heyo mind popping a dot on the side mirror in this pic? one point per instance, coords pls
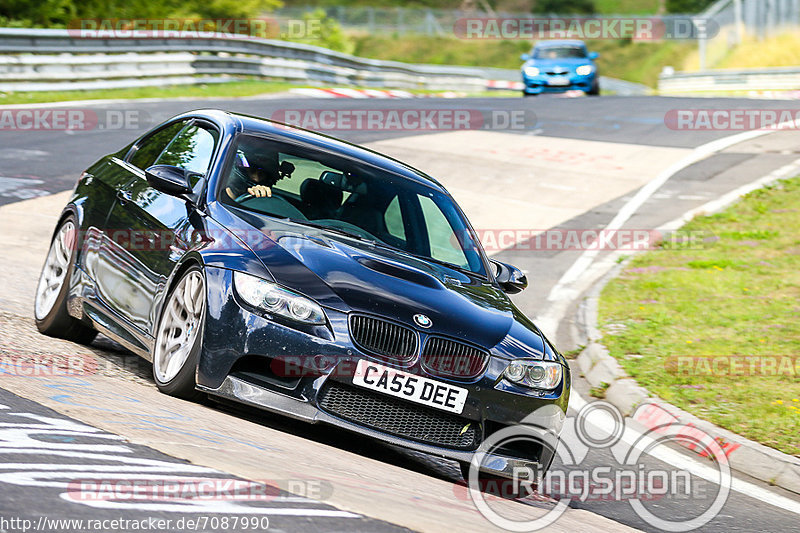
(510, 278)
(593, 55)
(168, 179)
(524, 57)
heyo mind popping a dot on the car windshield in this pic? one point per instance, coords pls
(559, 52)
(331, 192)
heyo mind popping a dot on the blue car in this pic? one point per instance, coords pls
(560, 66)
(289, 271)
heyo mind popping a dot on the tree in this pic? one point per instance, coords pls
(564, 7)
(687, 6)
(60, 13)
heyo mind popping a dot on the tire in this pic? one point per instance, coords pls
(527, 95)
(595, 90)
(178, 338)
(50, 300)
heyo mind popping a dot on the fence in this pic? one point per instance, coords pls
(739, 18)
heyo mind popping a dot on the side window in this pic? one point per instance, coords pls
(191, 149)
(442, 238)
(393, 217)
(151, 147)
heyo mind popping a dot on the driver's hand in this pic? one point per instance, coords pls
(260, 191)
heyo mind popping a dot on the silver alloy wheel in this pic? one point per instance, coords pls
(55, 270)
(179, 327)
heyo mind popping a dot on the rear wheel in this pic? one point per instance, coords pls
(179, 336)
(50, 303)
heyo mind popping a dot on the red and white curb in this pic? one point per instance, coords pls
(344, 92)
(505, 85)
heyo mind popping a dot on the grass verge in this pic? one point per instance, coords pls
(675, 319)
(210, 90)
(637, 62)
(231, 89)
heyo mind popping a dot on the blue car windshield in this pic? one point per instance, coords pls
(559, 52)
(328, 191)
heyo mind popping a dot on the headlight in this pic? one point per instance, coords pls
(584, 70)
(531, 71)
(534, 374)
(270, 297)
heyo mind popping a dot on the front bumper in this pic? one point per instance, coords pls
(558, 84)
(241, 348)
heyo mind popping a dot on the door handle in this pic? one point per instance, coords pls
(124, 196)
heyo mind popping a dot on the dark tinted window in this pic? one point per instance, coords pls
(559, 52)
(191, 149)
(151, 147)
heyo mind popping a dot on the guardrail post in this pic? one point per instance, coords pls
(737, 13)
(702, 44)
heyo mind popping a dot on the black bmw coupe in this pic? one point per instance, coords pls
(307, 276)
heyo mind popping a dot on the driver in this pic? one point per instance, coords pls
(256, 174)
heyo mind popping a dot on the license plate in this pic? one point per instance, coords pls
(558, 81)
(413, 388)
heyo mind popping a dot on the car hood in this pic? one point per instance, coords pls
(351, 275)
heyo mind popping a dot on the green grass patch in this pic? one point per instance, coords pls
(233, 89)
(739, 295)
(622, 59)
(210, 90)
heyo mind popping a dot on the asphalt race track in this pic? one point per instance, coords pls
(572, 164)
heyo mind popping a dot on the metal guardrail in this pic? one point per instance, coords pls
(728, 81)
(56, 58)
(46, 59)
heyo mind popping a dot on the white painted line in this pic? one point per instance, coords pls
(725, 200)
(685, 462)
(566, 290)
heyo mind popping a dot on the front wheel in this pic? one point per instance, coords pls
(595, 90)
(50, 303)
(179, 336)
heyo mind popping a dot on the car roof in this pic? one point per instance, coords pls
(560, 42)
(256, 125)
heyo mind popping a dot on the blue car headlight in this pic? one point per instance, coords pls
(272, 298)
(531, 71)
(584, 70)
(534, 374)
